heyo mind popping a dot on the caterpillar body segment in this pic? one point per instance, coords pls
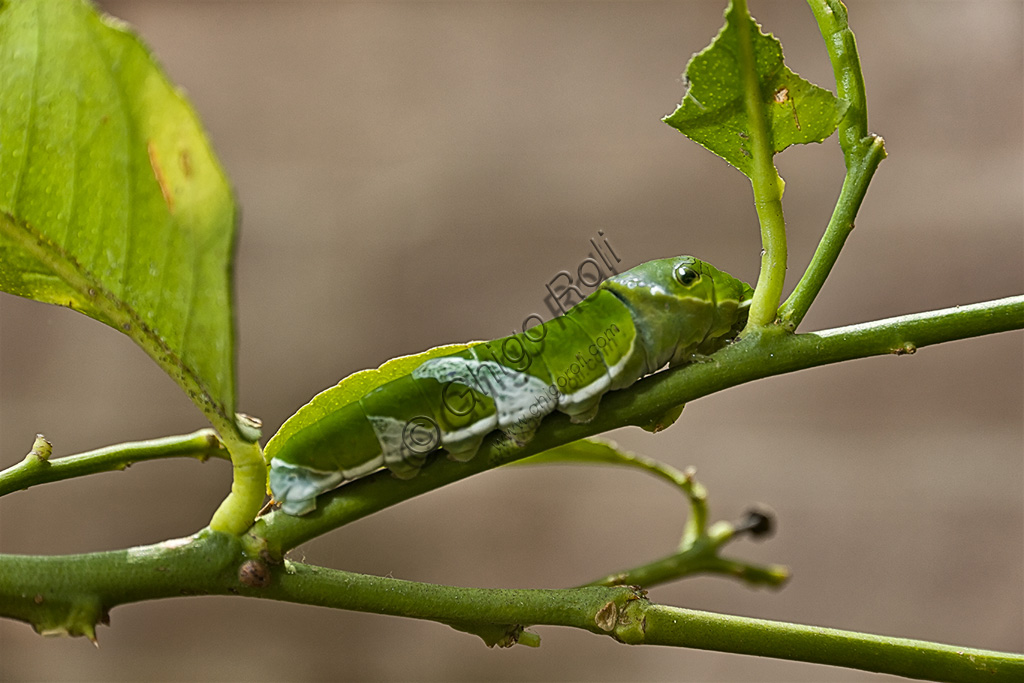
(661, 312)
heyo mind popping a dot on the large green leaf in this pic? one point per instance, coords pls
(712, 112)
(111, 200)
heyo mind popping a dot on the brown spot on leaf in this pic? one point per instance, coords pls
(185, 159)
(782, 97)
(154, 162)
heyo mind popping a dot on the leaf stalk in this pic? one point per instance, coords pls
(764, 179)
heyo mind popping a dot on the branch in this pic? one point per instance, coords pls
(773, 351)
(861, 151)
(71, 594)
(764, 179)
(648, 624)
(239, 510)
(37, 468)
(699, 555)
(38, 590)
(699, 549)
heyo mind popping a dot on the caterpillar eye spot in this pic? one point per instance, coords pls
(686, 276)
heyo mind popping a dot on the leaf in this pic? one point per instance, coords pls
(712, 112)
(111, 200)
(351, 389)
(595, 451)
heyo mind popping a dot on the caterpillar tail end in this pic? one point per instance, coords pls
(295, 488)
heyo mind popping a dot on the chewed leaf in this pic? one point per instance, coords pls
(712, 111)
(351, 389)
(111, 200)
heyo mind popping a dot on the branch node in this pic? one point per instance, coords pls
(254, 574)
(905, 349)
(41, 450)
(607, 617)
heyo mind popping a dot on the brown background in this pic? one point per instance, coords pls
(412, 174)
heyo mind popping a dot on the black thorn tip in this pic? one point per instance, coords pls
(756, 523)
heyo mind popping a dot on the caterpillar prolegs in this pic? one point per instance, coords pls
(660, 312)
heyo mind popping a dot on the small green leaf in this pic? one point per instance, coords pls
(111, 200)
(351, 389)
(595, 451)
(712, 112)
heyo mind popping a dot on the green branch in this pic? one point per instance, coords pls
(238, 510)
(700, 556)
(764, 179)
(37, 467)
(39, 590)
(234, 515)
(842, 52)
(700, 546)
(861, 151)
(760, 637)
(71, 594)
(772, 353)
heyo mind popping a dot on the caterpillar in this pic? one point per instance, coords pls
(667, 311)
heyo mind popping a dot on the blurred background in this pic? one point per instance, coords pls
(412, 174)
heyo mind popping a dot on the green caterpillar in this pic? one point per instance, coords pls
(664, 311)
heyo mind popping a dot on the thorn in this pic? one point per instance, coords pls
(529, 639)
(89, 631)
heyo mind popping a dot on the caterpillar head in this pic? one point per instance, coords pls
(681, 306)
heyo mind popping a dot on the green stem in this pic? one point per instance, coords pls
(773, 353)
(34, 470)
(834, 25)
(862, 153)
(238, 511)
(764, 179)
(742, 635)
(696, 559)
(71, 594)
(855, 186)
(698, 551)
